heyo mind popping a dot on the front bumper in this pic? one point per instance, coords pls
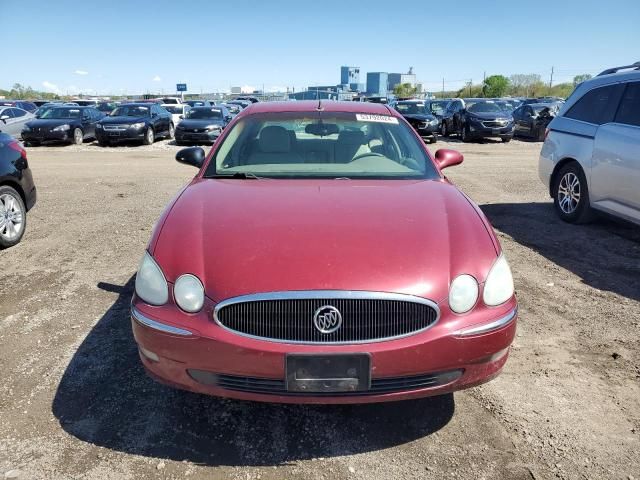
(41, 136)
(200, 356)
(480, 131)
(427, 130)
(103, 135)
(197, 136)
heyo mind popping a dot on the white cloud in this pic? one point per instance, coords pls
(52, 87)
(157, 78)
(276, 88)
(81, 72)
(247, 89)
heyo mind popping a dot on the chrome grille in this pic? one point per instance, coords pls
(289, 316)
(115, 127)
(495, 123)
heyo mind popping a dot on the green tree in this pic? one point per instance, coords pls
(404, 90)
(580, 78)
(495, 86)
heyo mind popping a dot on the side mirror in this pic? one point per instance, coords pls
(181, 117)
(228, 118)
(193, 156)
(4, 118)
(448, 158)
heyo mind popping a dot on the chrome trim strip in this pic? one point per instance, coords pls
(322, 294)
(161, 327)
(488, 327)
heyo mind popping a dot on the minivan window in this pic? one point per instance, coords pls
(629, 111)
(597, 106)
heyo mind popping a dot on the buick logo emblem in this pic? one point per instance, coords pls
(327, 319)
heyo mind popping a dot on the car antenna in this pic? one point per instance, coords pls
(319, 107)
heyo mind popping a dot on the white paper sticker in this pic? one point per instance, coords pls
(366, 117)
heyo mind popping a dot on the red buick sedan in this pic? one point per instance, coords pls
(321, 256)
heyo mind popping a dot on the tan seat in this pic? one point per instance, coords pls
(350, 144)
(274, 146)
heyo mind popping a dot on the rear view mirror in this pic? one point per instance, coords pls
(193, 156)
(448, 158)
(321, 129)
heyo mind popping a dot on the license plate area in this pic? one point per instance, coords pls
(495, 131)
(336, 373)
(114, 134)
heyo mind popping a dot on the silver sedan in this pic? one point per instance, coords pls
(12, 120)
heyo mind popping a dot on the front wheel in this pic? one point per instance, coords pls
(443, 129)
(433, 139)
(464, 134)
(506, 139)
(571, 195)
(149, 137)
(78, 136)
(13, 217)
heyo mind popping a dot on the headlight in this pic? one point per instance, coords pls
(151, 285)
(179, 127)
(213, 127)
(62, 128)
(189, 293)
(137, 125)
(498, 288)
(26, 128)
(474, 119)
(98, 126)
(463, 293)
(434, 121)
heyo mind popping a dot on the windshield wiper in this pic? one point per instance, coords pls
(243, 175)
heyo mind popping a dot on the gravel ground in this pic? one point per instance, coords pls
(76, 404)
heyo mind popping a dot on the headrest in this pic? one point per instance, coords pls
(274, 139)
(351, 137)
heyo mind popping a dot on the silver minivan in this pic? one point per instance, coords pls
(590, 159)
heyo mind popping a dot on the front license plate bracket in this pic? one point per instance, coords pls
(335, 373)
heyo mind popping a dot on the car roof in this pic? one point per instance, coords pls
(138, 104)
(326, 105)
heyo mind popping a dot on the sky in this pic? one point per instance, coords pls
(138, 46)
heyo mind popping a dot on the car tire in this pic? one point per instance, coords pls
(571, 195)
(540, 135)
(464, 134)
(149, 137)
(31, 144)
(78, 136)
(172, 131)
(506, 139)
(443, 129)
(433, 139)
(12, 227)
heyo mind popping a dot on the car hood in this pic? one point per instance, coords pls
(249, 236)
(52, 122)
(122, 119)
(423, 117)
(199, 123)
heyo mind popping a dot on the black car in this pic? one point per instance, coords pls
(437, 107)
(420, 118)
(202, 125)
(531, 120)
(135, 121)
(481, 118)
(62, 124)
(199, 103)
(248, 98)
(107, 107)
(23, 104)
(17, 191)
(242, 103)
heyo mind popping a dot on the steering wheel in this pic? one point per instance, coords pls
(367, 154)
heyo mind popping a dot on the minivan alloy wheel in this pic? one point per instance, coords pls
(11, 217)
(569, 192)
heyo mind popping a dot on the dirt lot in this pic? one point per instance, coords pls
(76, 404)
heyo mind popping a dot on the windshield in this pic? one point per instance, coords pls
(174, 108)
(484, 107)
(438, 108)
(62, 113)
(131, 111)
(319, 145)
(410, 108)
(204, 113)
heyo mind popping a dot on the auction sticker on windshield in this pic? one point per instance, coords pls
(366, 117)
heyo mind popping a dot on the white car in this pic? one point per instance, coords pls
(590, 159)
(13, 119)
(178, 112)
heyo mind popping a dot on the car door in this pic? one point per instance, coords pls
(517, 119)
(8, 122)
(616, 158)
(20, 117)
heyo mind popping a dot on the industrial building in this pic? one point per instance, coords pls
(377, 83)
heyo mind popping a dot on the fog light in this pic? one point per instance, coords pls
(149, 354)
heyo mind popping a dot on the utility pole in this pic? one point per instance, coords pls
(442, 87)
(470, 83)
(551, 80)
